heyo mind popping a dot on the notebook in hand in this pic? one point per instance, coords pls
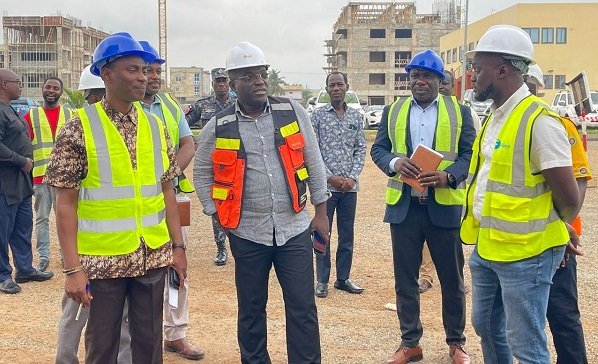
(428, 159)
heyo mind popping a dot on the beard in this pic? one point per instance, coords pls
(485, 93)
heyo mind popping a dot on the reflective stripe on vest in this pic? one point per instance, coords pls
(43, 140)
(446, 141)
(229, 160)
(518, 219)
(119, 206)
(172, 115)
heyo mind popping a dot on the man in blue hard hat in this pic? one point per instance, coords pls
(433, 215)
(117, 218)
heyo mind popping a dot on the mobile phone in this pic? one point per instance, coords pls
(173, 278)
(318, 243)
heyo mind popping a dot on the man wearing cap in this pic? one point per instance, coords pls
(163, 105)
(200, 112)
(252, 169)
(117, 218)
(520, 195)
(437, 122)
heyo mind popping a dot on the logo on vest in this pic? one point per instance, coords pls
(500, 144)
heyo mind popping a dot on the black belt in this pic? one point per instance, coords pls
(421, 200)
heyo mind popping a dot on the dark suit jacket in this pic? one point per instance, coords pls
(441, 216)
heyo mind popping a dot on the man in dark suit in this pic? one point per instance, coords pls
(434, 215)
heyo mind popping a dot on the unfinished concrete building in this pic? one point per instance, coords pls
(373, 42)
(37, 47)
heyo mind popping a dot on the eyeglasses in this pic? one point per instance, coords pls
(252, 77)
(18, 82)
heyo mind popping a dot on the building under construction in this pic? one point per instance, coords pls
(373, 42)
(37, 47)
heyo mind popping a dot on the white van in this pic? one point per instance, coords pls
(350, 98)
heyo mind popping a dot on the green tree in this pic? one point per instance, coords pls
(74, 99)
(275, 82)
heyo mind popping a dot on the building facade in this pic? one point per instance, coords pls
(294, 92)
(373, 42)
(37, 47)
(188, 84)
(562, 34)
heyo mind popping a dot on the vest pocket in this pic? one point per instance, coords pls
(296, 144)
(224, 165)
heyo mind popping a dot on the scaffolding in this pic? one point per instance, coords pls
(38, 47)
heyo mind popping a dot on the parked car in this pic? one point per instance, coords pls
(372, 117)
(563, 103)
(323, 98)
(23, 104)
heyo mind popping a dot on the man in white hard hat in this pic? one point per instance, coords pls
(252, 169)
(563, 309)
(519, 196)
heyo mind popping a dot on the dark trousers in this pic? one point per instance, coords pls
(345, 205)
(146, 296)
(16, 226)
(293, 263)
(563, 316)
(447, 254)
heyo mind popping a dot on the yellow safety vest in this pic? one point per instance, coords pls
(172, 114)
(120, 207)
(43, 140)
(518, 219)
(448, 132)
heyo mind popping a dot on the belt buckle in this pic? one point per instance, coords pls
(423, 200)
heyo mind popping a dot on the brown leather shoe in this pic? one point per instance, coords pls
(184, 349)
(458, 354)
(405, 355)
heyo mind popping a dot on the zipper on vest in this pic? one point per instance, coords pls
(144, 253)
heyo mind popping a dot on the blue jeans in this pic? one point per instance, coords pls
(509, 306)
(44, 197)
(16, 223)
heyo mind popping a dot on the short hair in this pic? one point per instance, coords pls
(337, 73)
(55, 79)
(449, 76)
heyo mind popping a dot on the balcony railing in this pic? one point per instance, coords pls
(402, 62)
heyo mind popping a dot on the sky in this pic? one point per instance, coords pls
(201, 32)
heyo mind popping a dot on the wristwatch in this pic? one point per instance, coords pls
(182, 245)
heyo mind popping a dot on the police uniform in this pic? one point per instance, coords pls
(205, 108)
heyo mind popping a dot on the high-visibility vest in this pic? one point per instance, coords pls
(518, 219)
(229, 159)
(446, 142)
(120, 207)
(172, 114)
(43, 140)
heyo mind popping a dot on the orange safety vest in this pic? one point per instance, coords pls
(230, 159)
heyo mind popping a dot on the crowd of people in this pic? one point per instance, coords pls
(511, 184)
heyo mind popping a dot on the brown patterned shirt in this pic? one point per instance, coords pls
(68, 167)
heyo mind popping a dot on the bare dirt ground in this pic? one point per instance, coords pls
(353, 328)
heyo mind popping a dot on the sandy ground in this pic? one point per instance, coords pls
(354, 328)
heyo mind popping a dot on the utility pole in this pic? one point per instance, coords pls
(162, 36)
(464, 60)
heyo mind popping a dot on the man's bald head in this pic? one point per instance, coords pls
(10, 85)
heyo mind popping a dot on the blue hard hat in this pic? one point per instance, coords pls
(115, 46)
(427, 60)
(148, 48)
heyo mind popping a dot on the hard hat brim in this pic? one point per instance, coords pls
(96, 67)
(435, 71)
(471, 55)
(248, 66)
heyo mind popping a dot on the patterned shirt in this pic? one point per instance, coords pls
(204, 109)
(341, 141)
(68, 167)
(267, 206)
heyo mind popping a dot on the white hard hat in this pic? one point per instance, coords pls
(507, 40)
(245, 55)
(89, 81)
(535, 75)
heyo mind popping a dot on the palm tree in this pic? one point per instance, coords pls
(275, 82)
(74, 99)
